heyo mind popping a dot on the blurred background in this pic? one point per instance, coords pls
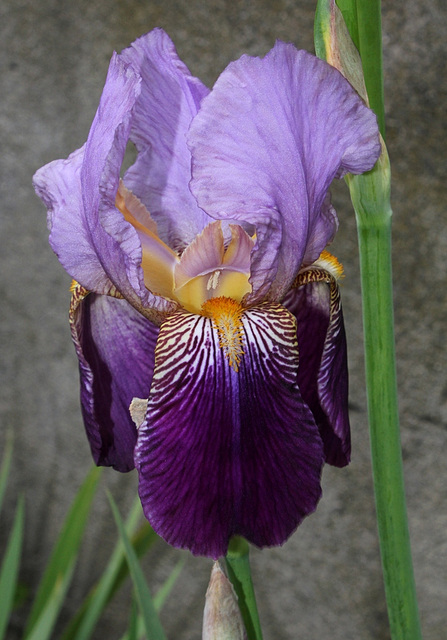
(325, 582)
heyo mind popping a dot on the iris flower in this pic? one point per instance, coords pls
(204, 295)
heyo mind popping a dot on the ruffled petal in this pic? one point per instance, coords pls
(116, 241)
(225, 452)
(115, 346)
(170, 98)
(58, 184)
(266, 144)
(323, 371)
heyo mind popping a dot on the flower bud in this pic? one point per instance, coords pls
(221, 618)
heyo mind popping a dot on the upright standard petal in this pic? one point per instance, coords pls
(115, 346)
(323, 371)
(266, 144)
(115, 240)
(170, 98)
(225, 452)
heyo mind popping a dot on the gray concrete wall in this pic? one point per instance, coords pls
(326, 581)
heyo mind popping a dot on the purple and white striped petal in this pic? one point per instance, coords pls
(170, 98)
(225, 452)
(323, 371)
(266, 144)
(115, 346)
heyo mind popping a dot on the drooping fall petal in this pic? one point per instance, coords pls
(115, 347)
(225, 452)
(323, 370)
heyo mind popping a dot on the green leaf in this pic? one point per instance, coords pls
(6, 465)
(349, 11)
(363, 21)
(334, 44)
(369, 26)
(132, 633)
(363, 18)
(44, 625)
(10, 567)
(238, 566)
(152, 626)
(160, 597)
(83, 624)
(65, 552)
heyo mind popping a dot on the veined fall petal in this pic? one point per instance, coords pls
(225, 452)
(115, 346)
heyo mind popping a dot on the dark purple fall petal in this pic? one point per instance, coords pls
(323, 370)
(225, 453)
(115, 347)
(266, 144)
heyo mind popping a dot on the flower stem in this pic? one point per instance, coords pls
(374, 234)
(365, 26)
(370, 195)
(238, 567)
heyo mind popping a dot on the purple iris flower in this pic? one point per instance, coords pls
(203, 293)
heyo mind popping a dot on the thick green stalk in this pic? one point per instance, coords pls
(238, 567)
(370, 194)
(374, 234)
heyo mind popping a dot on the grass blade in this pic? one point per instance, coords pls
(159, 599)
(43, 627)
(6, 465)
(10, 568)
(238, 566)
(66, 549)
(83, 624)
(132, 633)
(152, 626)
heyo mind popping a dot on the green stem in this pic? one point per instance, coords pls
(238, 567)
(374, 233)
(370, 195)
(363, 19)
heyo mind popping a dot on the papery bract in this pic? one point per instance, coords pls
(204, 289)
